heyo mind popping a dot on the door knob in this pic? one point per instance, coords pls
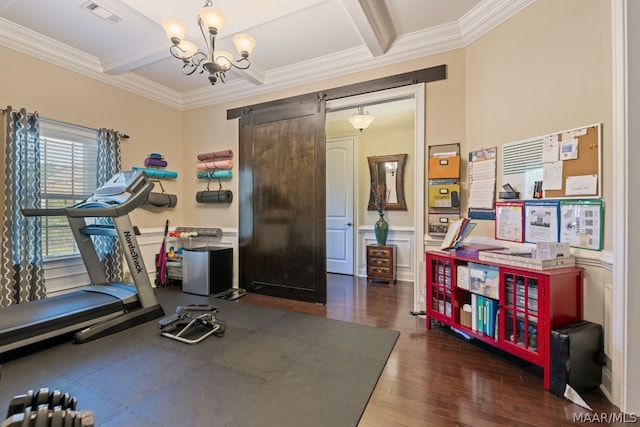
(349, 224)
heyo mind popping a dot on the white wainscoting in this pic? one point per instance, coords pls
(68, 274)
(402, 238)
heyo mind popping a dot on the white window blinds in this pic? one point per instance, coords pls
(68, 173)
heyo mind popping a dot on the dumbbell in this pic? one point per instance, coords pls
(43, 397)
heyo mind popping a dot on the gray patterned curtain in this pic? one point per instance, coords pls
(109, 163)
(21, 254)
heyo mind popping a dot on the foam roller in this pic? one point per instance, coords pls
(221, 196)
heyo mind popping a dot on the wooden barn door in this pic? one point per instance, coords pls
(282, 238)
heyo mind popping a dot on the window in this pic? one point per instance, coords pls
(68, 165)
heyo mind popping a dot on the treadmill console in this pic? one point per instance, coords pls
(115, 191)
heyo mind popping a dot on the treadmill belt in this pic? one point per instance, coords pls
(22, 321)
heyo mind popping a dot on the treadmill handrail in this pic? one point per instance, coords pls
(43, 212)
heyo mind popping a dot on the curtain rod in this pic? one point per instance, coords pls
(120, 134)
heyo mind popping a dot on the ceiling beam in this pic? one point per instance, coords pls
(136, 55)
(372, 20)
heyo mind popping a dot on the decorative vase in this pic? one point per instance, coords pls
(381, 230)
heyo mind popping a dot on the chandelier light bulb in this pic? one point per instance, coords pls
(174, 28)
(187, 49)
(244, 43)
(223, 58)
(212, 19)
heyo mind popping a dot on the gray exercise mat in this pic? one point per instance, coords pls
(270, 368)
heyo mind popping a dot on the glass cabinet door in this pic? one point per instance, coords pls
(521, 311)
(441, 286)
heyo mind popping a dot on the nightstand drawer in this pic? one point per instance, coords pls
(378, 270)
(380, 262)
(381, 252)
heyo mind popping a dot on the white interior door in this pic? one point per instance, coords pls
(340, 185)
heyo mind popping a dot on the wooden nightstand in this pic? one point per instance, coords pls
(381, 263)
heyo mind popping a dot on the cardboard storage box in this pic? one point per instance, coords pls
(462, 277)
(465, 318)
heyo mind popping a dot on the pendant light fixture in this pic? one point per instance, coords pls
(361, 120)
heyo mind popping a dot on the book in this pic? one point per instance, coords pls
(525, 260)
(457, 232)
(472, 251)
(474, 312)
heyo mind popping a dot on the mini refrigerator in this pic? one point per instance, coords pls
(207, 270)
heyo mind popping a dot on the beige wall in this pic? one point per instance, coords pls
(207, 130)
(59, 94)
(545, 70)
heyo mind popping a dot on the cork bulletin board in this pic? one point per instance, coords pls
(581, 176)
(559, 165)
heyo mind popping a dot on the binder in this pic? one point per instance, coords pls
(480, 318)
(474, 312)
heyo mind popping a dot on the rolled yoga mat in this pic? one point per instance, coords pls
(162, 200)
(221, 196)
(155, 162)
(156, 173)
(221, 174)
(218, 164)
(216, 155)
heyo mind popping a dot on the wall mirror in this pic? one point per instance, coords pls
(389, 172)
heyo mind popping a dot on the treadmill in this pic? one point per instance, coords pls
(102, 308)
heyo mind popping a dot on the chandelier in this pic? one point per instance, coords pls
(214, 62)
(361, 120)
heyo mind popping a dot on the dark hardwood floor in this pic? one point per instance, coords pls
(435, 378)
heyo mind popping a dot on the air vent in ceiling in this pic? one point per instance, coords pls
(101, 12)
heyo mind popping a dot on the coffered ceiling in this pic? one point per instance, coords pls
(122, 43)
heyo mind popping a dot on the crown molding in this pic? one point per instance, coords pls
(47, 49)
(416, 45)
(480, 20)
(34, 44)
(487, 15)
